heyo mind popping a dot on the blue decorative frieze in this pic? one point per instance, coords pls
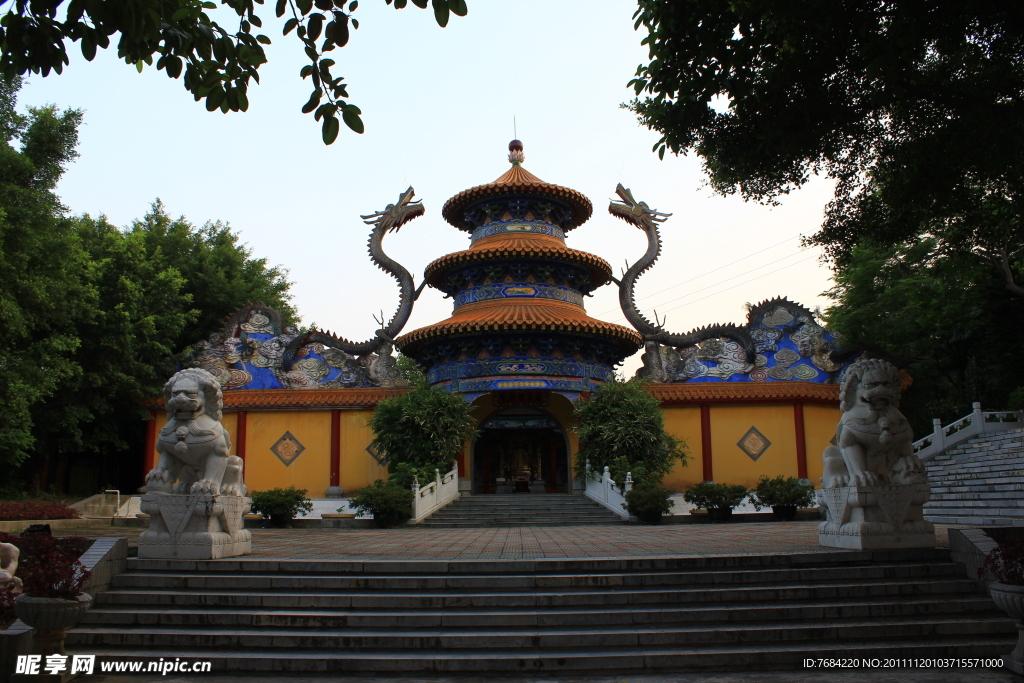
(514, 226)
(485, 384)
(518, 290)
(506, 367)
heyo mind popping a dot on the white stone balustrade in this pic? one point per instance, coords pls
(978, 422)
(430, 498)
(602, 489)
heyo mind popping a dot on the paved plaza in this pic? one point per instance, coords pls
(628, 540)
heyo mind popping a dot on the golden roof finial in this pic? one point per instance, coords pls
(515, 153)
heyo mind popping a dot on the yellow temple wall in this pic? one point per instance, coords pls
(820, 427)
(728, 422)
(683, 422)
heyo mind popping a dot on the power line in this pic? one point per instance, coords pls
(739, 284)
(713, 270)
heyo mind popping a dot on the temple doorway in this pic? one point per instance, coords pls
(520, 450)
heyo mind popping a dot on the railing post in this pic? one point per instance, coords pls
(978, 419)
(629, 482)
(938, 435)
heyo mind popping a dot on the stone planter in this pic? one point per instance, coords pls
(720, 514)
(50, 617)
(784, 513)
(1010, 599)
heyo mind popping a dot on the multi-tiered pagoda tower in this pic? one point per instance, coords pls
(519, 321)
(519, 335)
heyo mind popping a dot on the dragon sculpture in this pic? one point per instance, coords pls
(393, 217)
(640, 215)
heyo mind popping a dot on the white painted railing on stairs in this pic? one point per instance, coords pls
(430, 498)
(978, 422)
(602, 489)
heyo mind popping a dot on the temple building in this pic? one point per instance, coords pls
(749, 400)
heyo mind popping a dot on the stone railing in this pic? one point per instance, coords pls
(602, 489)
(978, 422)
(430, 498)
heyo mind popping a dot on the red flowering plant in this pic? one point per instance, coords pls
(14, 511)
(49, 567)
(1005, 562)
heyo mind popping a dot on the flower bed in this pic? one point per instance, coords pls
(11, 511)
(39, 564)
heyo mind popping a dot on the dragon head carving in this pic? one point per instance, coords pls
(395, 216)
(634, 212)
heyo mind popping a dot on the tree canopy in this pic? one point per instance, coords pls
(913, 107)
(219, 60)
(945, 318)
(622, 427)
(96, 317)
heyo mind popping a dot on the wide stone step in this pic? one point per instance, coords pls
(452, 638)
(612, 579)
(754, 657)
(109, 616)
(566, 598)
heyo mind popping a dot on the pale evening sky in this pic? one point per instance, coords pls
(438, 106)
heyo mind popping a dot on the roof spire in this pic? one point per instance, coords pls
(515, 153)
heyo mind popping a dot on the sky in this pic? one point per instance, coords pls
(440, 106)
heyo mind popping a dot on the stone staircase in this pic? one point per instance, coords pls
(748, 612)
(540, 509)
(979, 481)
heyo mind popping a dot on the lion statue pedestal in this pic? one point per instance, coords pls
(875, 487)
(195, 496)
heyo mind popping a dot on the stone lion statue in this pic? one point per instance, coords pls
(194, 447)
(874, 442)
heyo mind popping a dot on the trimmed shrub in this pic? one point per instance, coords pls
(49, 567)
(388, 503)
(648, 503)
(781, 491)
(281, 505)
(708, 495)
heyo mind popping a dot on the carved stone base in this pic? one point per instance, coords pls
(194, 527)
(876, 517)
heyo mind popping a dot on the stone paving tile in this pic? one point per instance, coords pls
(506, 543)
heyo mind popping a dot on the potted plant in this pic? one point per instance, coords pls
(783, 495)
(52, 600)
(281, 505)
(1006, 564)
(648, 503)
(389, 503)
(717, 499)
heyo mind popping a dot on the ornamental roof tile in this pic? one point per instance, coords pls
(516, 247)
(745, 392)
(524, 314)
(517, 180)
(295, 399)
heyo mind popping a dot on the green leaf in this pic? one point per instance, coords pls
(88, 47)
(263, 39)
(352, 120)
(138, 65)
(305, 6)
(243, 100)
(331, 128)
(314, 101)
(440, 12)
(306, 71)
(352, 6)
(281, 6)
(422, 4)
(458, 7)
(289, 25)
(214, 99)
(316, 25)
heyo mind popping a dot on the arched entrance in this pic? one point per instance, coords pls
(520, 450)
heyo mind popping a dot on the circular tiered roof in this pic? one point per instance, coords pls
(518, 182)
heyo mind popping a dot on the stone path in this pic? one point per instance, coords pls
(525, 542)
